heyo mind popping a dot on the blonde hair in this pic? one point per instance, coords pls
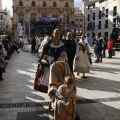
(56, 30)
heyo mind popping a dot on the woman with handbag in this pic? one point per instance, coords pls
(2, 66)
(110, 46)
(53, 51)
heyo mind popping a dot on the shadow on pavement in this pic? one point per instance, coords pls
(99, 84)
(36, 115)
(105, 69)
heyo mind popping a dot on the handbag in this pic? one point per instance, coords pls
(39, 87)
(39, 76)
(113, 52)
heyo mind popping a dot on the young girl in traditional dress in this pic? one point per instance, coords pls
(82, 64)
(66, 98)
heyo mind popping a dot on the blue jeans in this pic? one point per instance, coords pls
(104, 52)
(99, 56)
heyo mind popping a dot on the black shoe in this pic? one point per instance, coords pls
(1, 79)
(96, 61)
(84, 77)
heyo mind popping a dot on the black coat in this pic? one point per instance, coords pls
(98, 44)
(33, 42)
(70, 48)
(104, 44)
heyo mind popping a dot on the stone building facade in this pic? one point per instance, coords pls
(79, 21)
(101, 16)
(5, 21)
(25, 11)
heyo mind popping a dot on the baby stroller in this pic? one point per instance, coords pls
(58, 71)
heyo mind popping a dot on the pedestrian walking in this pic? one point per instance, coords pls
(15, 47)
(98, 49)
(110, 46)
(52, 52)
(82, 64)
(104, 47)
(89, 39)
(70, 49)
(33, 44)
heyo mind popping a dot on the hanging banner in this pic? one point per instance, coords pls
(46, 18)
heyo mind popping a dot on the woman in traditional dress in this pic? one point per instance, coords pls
(54, 50)
(82, 64)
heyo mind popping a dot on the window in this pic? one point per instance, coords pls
(88, 26)
(44, 4)
(1, 17)
(93, 34)
(76, 20)
(81, 20)
(99, 33)
(93, 25)
(88, 17)
(54, 4)
(99, 26)
(20, 3)
(114, 22)
(81, 26)
(66, 4)
(102, 1)
(33, 3)
(106, 23)
(106, 34)
(76, 25)
(93, 16)
(106, 12)
(99, 14)
(114, 10)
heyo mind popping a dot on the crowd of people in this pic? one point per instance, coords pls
(63, 56)
(7, 47)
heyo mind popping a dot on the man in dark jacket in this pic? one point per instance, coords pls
(104, 46)
(33, 44)
(70, 49)
(98, 49)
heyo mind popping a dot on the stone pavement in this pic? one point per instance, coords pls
(98, 96)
